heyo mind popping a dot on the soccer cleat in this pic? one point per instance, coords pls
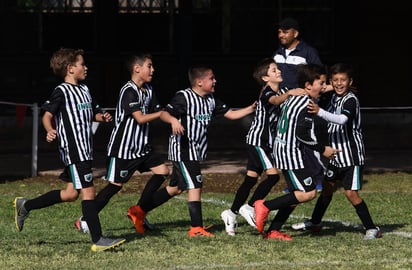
(229, 218)
(277, 235)
(137, 216)
(199, 231)
(248, 213)
(81, 225)
(261, 215)
(20, 213)
(307, 225)
(372, 234)
(107, 243)
(319, 187)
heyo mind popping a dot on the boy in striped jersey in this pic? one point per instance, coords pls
(293, 133)
(68, 117)
(189, 113)
(129, 148)
(345, 133)
(259, 144)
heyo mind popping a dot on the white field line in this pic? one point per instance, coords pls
(339, 222)
(285, 263)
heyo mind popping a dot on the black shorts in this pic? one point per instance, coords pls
(351, 176)
(80, 174)
(259, 159)
(314, 162)
(301, 180)
(121, 170)
(186, 175)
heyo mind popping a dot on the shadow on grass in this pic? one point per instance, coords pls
(330, 228)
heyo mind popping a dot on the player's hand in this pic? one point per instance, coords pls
(107, 117)
(177, 128)
(330, 152)
(313, 107)
(297, 92)
(51, 135)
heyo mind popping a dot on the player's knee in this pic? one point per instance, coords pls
(69, 195)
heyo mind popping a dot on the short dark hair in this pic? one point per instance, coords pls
(341, 68)
(308, 73)
(261, 70)
(134, 59)
(196, 72)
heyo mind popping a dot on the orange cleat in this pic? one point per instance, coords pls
(261, 215)
(137, 216)
(277, 235)
(199, 231)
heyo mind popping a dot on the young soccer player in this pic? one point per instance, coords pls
(189, 113)
(259, 143)
(294, 130)
(345, 133)
(129, 146)
(68, 117)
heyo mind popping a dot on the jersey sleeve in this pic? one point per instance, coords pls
(52, 105)
(177, 105)
(154, 105)
(267, 93)
(303, 132)
(130, 101)
(349, 108)
(220, 108)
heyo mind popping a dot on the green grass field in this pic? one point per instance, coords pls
(49, 240)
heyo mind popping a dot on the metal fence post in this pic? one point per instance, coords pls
(35, 109)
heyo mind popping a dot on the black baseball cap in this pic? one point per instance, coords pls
(288, 23)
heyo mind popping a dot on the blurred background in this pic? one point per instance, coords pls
(229, 35)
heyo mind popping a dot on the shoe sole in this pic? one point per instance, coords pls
(316, 228)
(16, 214)
(282, 238)
(96, 248)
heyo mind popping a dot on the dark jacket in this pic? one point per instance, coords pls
(302, 54)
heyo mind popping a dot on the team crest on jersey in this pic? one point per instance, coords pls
(88, 177)
(199, 178)
(123, 173)
(308, 181)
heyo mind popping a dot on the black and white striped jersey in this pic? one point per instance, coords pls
(347, 137)
(294, 131)
(129, 139)
(195, 114)
(73, 111)
(263, 127)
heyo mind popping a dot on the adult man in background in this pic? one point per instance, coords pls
(292, 52)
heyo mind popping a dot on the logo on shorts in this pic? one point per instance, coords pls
(308, 181)
(199, 178)
(88, 177)
(123, 173)
(329, 173)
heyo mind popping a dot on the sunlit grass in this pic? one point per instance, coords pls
(49, 240)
